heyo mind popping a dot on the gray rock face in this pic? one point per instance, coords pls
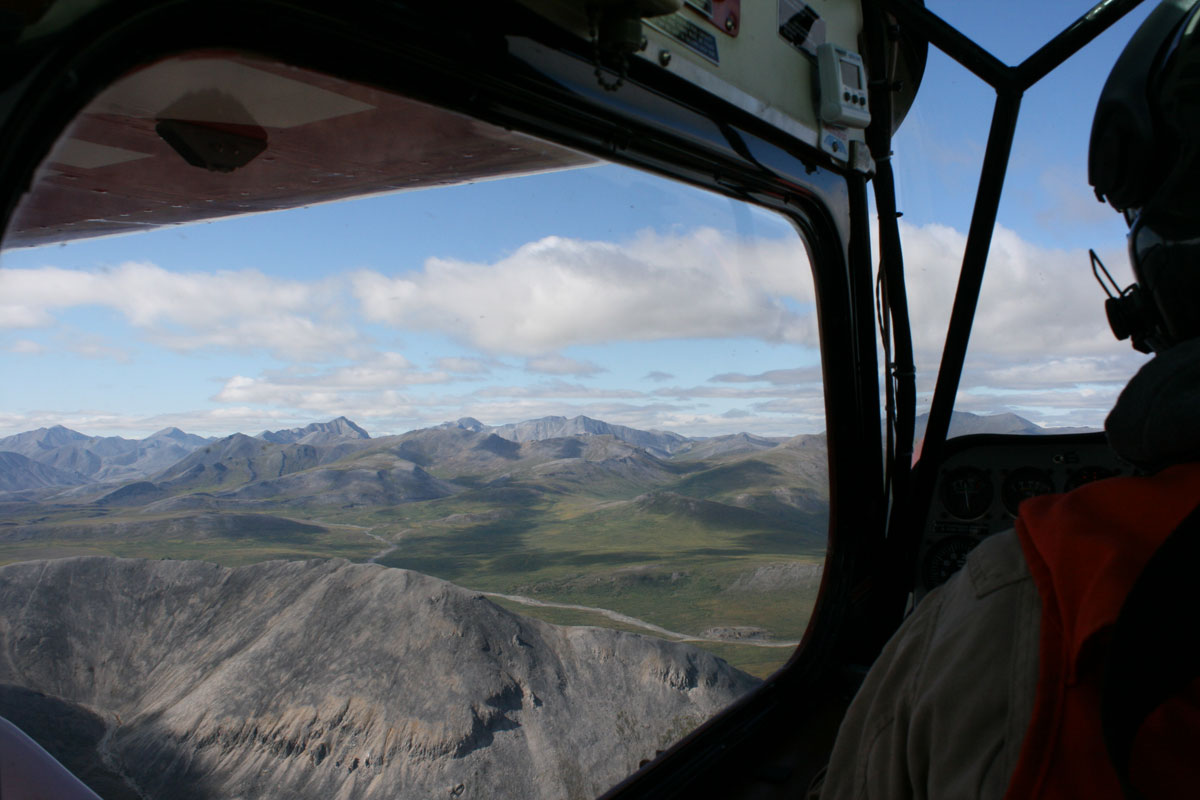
(18, 473)
(82, 458)
(328, 679)
(318, 433)
(657, 442)
(729, 445)
(780, 576)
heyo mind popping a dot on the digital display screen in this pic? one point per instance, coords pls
(850, 75)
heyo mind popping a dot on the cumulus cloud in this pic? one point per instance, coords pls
(705, 423)
(203, 422)
(556, 388)
(26, 347)
(810, 406)
(381, 377)
(240, 310)
(558, 292)
(1034, 301)
(735, 392)
(561, 365)
(1040, 324)
(1053, 372)
(466, 366)
(778, 377)
(1040, 347)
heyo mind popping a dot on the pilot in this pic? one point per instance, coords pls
(992, 687)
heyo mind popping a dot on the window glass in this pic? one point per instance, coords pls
(1041, 360)
(588, 398)
(1041, 357)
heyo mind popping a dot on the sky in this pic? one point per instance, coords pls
(597, 291)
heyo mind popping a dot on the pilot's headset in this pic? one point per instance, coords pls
(1144, 158)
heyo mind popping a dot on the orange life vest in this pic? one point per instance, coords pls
(1085, 550)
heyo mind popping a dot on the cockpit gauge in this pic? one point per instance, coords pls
(1087, 474)
(967, 493)
(946, 558)
(843, 84)
(1022, 484)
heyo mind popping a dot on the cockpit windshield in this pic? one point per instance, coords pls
(471, 461)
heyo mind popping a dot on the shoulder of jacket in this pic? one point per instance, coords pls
(996, 563)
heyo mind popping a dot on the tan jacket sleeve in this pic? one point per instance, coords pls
(944, 709)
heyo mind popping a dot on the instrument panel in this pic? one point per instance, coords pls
(983, 480)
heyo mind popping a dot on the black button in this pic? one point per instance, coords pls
(846, 96)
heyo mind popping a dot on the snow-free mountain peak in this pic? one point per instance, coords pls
(317, 433)
(964, 423)
(656, 442)
(466, 424)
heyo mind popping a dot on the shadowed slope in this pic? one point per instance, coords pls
(324, 678)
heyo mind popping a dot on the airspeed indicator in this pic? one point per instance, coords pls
(967, 493)
(1022, 484)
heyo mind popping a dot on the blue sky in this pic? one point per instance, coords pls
(599, 291)
(1041, 347)
(949, 126)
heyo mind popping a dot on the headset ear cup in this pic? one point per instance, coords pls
(1115, 311)
(1126, 317)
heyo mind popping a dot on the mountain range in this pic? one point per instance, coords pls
(68, 458)
(558, 517)
(86, 459)
(60, 457)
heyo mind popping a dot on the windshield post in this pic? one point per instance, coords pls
(1010, 84)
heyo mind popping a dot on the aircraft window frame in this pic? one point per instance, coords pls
(744, 159)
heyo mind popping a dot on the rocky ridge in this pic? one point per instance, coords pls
(101, 458)
(330, 679)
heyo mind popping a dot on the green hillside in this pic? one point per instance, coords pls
(720, 545)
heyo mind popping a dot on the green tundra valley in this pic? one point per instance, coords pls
(717, 542)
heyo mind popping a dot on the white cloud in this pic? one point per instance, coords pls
(286, 336)
(736, 392)
(371, 383)
(1040, 326)
(1035, 302)
(561, 365)
(203, 422)
(558, 292)
(241, 310)
(1052, 372)
(466, 366)
(777, 377)
(1040, 342)
(26, 347)
(556, 388)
